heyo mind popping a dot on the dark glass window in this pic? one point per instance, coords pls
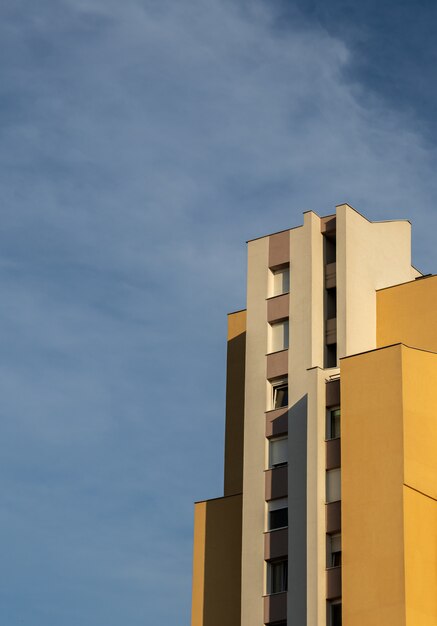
(336, 559)
(334, 424)
(278, 576)
(331, 355)
(335, 615)
(278, 518)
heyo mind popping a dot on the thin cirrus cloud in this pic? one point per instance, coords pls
(142, 143)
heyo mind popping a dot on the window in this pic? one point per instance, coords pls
(333, 485)
(277, 514)
(278, 336)
(280, 281)
(277, 575)
(331, 303)
(334, 614)
(333, 423)
(331, 355)
(334, 550)
(278, 452)
(279, 397)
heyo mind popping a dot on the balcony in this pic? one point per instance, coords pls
(276, 544)
(278, 307)
(276, 481)
(277, 422)
(277, 364)
(331, 331)
(333, 583)
(333, 453)
(330, 275)
(333, 517)
(275, 608)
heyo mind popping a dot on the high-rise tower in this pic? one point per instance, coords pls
(329, 514)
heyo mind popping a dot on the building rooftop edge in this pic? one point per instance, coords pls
(407, 282)
(392, 345)
(232, 495)
(277, 232)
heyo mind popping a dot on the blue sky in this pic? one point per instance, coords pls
(142, 143)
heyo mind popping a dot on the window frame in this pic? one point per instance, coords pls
(272, 441)
(283, 588)
(284, 271)
(330, 616)
(333, 489)
(273, 344)
(275, 385)
(276, 505)
(329, 422)
(331, 559)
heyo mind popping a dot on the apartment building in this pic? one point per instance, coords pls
(329, 512)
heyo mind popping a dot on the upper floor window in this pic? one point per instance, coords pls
(279, 393)
(277, 514)
(277, 576)
(334, 550)
(278, 452)
(333, 485)
(278, 336)
(334, 613)
(279, 281)
(333, 423)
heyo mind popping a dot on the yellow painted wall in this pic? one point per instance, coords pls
(389, 487)
(216, 598)
(407, 314)
(420, 420)
(198, 586)
(420, 491)
(420, 558)
(372, 508)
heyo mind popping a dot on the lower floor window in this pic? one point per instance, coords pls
(277, 578)
(334, 550)
(334, 614)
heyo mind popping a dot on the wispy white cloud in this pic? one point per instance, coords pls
(142, 143)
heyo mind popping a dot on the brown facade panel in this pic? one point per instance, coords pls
(333, 583)
(277, 364)
(277, 422)
(276, 544)
(275, 608)
(278, 307)
(328, 224)
(333, 453)
(279, 249)
(333, 517)
(330, 275)
(331, 331)
(333, 393)
(276, 483)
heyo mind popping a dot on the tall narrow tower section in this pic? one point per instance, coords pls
(329, 514)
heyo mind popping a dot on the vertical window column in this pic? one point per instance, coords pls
(278, 329)
(333, 503)
(330, 291)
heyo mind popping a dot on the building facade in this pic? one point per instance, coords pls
(329, 513)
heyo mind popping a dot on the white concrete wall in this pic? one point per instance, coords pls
(370, 256)
(253, 584)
